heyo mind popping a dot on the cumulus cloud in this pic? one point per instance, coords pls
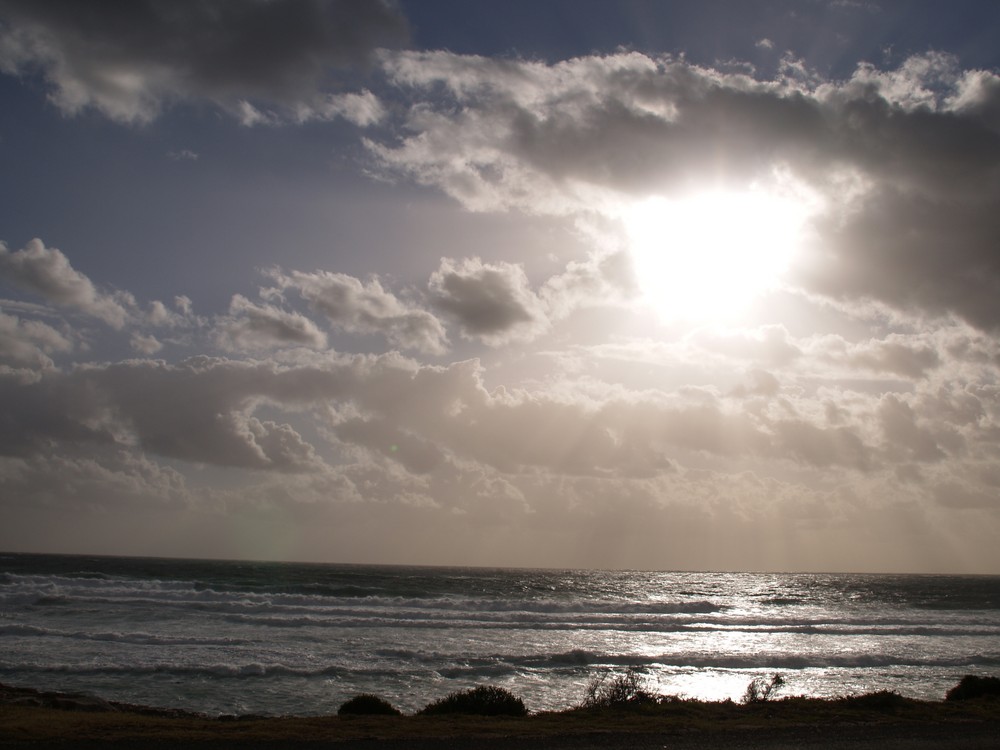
(200, 411)
(493, 302)
(253, 326)
(366, 307)
(46, 272)
(905, 160)
(145, 344)
(26, 345)
(129, 62)
(368, 430)
(160, 315)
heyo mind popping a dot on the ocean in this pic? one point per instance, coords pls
(286, 638)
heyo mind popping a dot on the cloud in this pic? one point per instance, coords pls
(769, 345)
(201, 411)
(374, 435)
(25, 345)
(160, 315)
(252, 326)
(129, 62)
(48, 273)
(417, 454)
(107, 480)
(603, 279)
(145, 344)
(366, 307)
(896, 355)
(903, 435)
(902, 162)
(362, 109)
(491, 302)
(822, 446)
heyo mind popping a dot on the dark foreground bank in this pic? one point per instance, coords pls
(43, 721)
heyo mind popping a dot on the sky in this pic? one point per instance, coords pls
(691, 285)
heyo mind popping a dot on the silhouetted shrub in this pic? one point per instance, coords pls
(618, 691)
(886, 701)
(368, 705)
(485, 700)
(972, 686)
(760, 690)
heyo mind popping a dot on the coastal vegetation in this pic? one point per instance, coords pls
(367, 704)
(618, 704)
(484, 700)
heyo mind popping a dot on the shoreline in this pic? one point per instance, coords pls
(41, 720)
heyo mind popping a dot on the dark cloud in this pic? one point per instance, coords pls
(492, 302)
(198, 411)
(919, 254)
(253, 326)
(128, 59)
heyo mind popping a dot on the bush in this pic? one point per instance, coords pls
(367, 704)
(485, 700)
(760, 690)
(621, 690)
(972, 686)
(884, 701)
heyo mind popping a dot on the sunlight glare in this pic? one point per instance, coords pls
(706, 257)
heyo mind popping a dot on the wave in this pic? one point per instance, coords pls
(579, 661)
(233, 671)
(145, 639)
(574, 661)
(56, 589)
(295, 611)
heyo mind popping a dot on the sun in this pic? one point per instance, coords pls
(707, 256)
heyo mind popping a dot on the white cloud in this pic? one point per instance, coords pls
(146, 345)
(362, 109)
(48, 273)
(366, 307)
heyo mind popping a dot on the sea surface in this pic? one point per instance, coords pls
(284, 638)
